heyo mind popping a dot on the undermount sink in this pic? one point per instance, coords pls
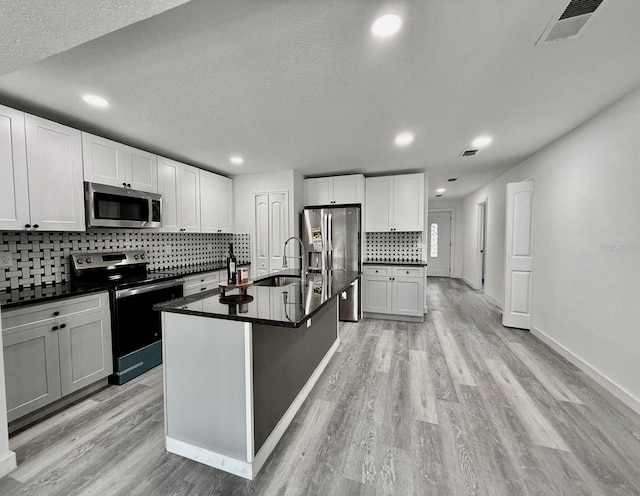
(276, 281)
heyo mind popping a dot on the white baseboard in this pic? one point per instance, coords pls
(468, 282)
(7, 464)
(211, 458)
(623, 395)
(493, 300)
(243, 468)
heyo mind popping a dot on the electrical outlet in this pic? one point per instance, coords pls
(5, 260)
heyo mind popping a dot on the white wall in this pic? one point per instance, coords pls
(7, 458)
(586, 285)
(457, 231)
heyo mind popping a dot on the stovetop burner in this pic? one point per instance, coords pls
(114, 270)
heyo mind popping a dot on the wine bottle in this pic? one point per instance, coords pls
(231, 266)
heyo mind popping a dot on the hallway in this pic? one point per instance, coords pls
(456, 406)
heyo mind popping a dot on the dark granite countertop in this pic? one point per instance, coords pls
(420, 263)
(32, 295)
(189, 270)
(284, 306)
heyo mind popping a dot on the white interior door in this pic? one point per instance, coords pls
(439, 246)
(262, 234)
(519, 255)
(279, 229)
(272, 230)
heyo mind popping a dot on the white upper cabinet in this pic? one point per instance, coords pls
(348, 189)
(379, 212)
(216, 199)
(225, 204)
(109, 162)
(179, 185)
(190, 198)
(318, 191)
(141, 169)
(395, 203)
(54, 165)
(169, 188)
(334, 190)
(14, 184)
(103, 161)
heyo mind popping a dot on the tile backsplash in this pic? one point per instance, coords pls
(43, 257)
(393, 246)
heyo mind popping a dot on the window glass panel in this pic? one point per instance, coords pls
(434, 240)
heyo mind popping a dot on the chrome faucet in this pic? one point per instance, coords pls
(303, 265)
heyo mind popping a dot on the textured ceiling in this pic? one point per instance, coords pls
(31, 30)
(302, 85)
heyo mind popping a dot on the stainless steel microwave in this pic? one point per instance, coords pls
(109, 206)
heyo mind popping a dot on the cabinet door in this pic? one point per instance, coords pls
(14, 186)
(141, 169)
(85, 350)
(408, 202)
(103, 160)
(54, 165)
(190, 194)
(379, 211)
(209, 214)
(408, 296)
(376, 294)
(348, 189)
(225, 204)
(32, 369)
(169, 188)
(318, 191)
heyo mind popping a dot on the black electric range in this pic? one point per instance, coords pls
(133, 291)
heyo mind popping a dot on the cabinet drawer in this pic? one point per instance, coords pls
(15, 319)
(208, 278)
(376, 270)
(408, 272)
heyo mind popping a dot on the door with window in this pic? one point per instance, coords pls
(439, 244)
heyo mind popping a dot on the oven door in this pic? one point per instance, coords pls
(136, 325)
(108, 206)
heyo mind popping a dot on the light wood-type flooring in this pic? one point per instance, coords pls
(458, 405)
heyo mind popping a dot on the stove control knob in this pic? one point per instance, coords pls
(79, 261)
(89, 260)
(135, 257)
(142, 256)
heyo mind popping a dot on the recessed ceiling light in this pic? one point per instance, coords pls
(481, 141)
(386, 26)
(440, 190)
(404, 139)
(96, 101)
(237, 160)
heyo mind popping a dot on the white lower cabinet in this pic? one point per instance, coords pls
(54, 349)
(393, 291)
(203, 282)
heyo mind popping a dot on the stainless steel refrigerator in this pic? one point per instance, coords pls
(331, 238)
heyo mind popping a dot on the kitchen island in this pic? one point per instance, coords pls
(236, 370)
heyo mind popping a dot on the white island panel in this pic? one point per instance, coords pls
(206, 381)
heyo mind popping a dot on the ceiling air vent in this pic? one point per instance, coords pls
(468, 153)
(570, 21)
